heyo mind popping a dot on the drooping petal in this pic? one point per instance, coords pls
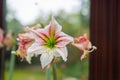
(46, 59)
(62, 39)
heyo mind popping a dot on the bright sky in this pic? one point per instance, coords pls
(28, 10)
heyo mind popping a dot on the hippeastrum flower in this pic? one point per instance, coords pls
(25, 41)
(83, 44)
(51, 43)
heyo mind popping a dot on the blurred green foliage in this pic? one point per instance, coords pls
(26, 73)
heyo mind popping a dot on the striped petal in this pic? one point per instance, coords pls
(53, 27)
(46, 59)
(63, 39)
(36, 49)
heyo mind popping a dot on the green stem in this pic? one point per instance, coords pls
(48, 74)
(12, 63)
(54, 72)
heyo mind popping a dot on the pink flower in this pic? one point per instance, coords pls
(51, 43)
(25, 41)
(83, 44)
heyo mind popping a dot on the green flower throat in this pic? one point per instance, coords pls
(50, 42)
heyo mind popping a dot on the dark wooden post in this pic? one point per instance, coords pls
(2, 25)
(105, 34)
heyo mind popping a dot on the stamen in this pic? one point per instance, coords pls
(93, 48)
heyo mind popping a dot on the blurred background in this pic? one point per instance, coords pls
(73, 15)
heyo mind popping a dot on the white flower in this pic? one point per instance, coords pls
(51, 43)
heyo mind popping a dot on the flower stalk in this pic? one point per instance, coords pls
(12, 64)
(54, 69)
(48, 74)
